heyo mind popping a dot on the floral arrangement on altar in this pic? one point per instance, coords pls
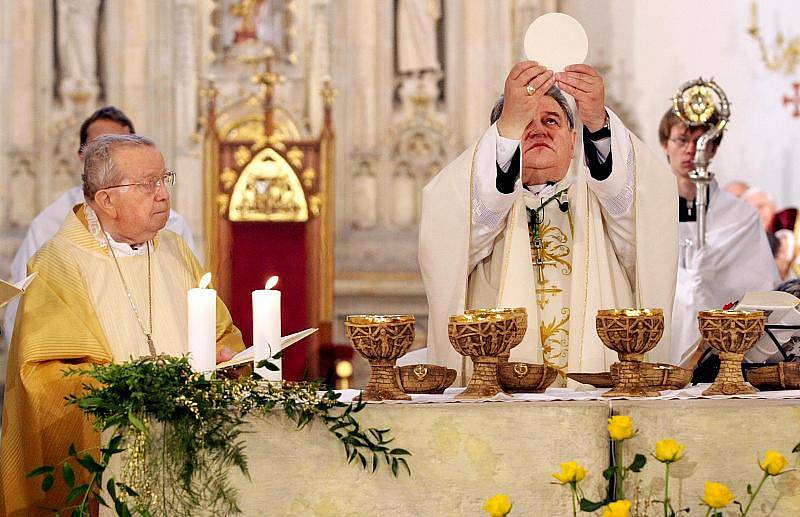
(715, 498)
(181, 434)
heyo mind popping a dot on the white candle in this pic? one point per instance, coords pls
(202, 319)
(267, 327)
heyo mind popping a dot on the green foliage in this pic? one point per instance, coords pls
(180, 465)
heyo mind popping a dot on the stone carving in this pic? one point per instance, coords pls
(254, 24)
(77, 49)
(417, 36)
(404, 197)
(365, 196)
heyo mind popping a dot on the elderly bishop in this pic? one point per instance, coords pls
(516, 222)
(111, 286)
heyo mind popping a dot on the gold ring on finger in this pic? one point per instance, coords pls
(530, 89)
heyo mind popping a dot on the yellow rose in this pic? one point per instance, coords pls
(668, 450)
(618, 509)
(773, 463)
(498, 505)
(620, 427)
(571, 472)
(717, 495)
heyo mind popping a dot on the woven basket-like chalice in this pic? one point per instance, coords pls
(630, 333)
(484, 336)
(731, 333)
(381, 340)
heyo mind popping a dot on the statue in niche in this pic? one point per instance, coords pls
(404, 194)
(365, 194)
(22, 201)
(416, 36)
(77, 48)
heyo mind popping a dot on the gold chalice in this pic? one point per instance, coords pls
(485, 335)
(630, 333)
(381, 340)
(731, 333)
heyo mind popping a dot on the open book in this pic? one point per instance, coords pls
(247, 355)
(9, 291)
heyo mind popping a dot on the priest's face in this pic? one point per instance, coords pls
(681, 146)
(548, 144)
(140, 211)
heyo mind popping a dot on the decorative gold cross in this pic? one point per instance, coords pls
(538, 249)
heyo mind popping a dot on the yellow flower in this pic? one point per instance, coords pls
(620, 508)
(571, 472)
(498, 505)
(620, 427)
(717, 495)
(773, 463)
(668, 450)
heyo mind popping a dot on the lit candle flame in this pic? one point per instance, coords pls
(204, 281)
(271, 282)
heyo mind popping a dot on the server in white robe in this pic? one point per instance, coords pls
(508, 224)
(106, 120)
(736, 257)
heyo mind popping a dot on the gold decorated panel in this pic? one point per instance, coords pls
(268, 190)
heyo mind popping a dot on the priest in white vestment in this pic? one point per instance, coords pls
(111, 286)
(107, 120)
(514, 222)
(736, 257)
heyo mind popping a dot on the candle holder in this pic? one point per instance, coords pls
(630, 333)
(485, 335)
(381, 340)
(731, 333)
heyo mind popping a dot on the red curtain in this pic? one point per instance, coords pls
(259, 251)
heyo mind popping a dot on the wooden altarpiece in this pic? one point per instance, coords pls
(269, 211)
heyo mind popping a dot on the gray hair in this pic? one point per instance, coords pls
(98, 167)
(553, 92)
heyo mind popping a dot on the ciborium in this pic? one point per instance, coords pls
(630, 333)
(731, 334)
(381, 340)
(485, 336)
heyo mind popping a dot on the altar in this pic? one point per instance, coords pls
(465, 452)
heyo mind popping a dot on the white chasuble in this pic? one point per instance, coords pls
(597, 277)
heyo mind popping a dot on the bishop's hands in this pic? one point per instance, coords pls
(526, 83)
(586, 87)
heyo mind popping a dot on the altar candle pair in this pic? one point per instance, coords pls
(267, 327)
(202, 320)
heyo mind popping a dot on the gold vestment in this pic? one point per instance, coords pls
(58, 328)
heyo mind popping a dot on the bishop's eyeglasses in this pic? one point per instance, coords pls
(150, 186)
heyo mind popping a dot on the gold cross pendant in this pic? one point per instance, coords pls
(539, 262)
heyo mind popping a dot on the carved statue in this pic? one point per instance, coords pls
(417, 38)
(77, 46)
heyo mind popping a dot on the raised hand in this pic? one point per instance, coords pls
(586, 86)
(526, 83)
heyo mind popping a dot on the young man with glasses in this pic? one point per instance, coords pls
(736, 257)
(111, 286)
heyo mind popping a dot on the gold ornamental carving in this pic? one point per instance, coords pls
(242, 155)
(268, 190)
